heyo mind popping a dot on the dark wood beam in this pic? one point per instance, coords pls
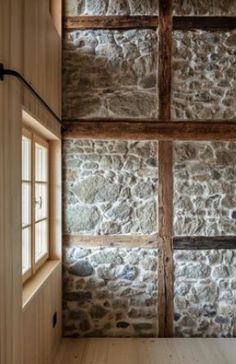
(165, 247)
(204, 242)
(210, 23)
(110, 22)
(146, 130)
(165, 55)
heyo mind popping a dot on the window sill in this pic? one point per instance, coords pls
(32, 286)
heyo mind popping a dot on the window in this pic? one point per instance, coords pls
(35, 206)
(56, 13)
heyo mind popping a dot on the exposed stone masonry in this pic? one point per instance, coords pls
(205, 188)
(205, 293)
(110, 292)
(109, 187)
(110, 74)
(111, 7)
(203, 7)
(204, 77)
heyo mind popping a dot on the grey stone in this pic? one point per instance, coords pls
(143, 190)
(220, 272)
(82, 218)
(193, 271)
(121, 212)
(98, 312)
(96, 189)
(81, 268)
(143, 326)
(106, 257)
(128, 272)
(79, 296)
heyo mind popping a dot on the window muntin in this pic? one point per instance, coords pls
(35, 206)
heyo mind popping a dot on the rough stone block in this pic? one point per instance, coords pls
(105, 294)
(117, 196)
(204, 81)
(204, 188)
(110, 74)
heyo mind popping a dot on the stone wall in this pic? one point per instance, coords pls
(109, 187)
(205, 293)
(110, 292)
(111, 7)
(204, 78)
(204, 188)
(203, 7)
(110, 74)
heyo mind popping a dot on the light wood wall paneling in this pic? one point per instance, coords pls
(41, 340)
(42, 60)
(11, 17)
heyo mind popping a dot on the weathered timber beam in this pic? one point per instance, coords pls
(204, 242)
(210, 23)
(110, 22)
(163, 131)
(128, 241)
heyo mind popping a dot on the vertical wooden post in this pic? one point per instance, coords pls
(165, 175)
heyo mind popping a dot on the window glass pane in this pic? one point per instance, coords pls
(26, 250)
(41, 202)
(26, 158)
(41, 163)
(41, 239)
(26, 203)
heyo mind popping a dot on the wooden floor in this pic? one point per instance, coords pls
(147, 351)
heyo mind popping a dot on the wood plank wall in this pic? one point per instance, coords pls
(10, 186)
(30, 44)
(163, 129)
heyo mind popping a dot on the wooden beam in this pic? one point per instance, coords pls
(165, 277)
(210, 23)
(165, 50)
(165, 233)
(110, 22)
(127, 241)
(204, 242)
(128, 130)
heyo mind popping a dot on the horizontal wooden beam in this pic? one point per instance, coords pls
(147, 130)
(212, 23)
(128, 241)
(204, 242)
(110, 22)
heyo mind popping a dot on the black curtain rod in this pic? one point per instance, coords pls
(8, 72)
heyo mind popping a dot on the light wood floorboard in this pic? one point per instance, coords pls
(147, 351)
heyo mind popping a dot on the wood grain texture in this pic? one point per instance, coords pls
(165, 56)
(204, 242)
(210, 23)
(42, 61)
(149, 130)
(11, 22)
(165, 232)
(41, 341)
(110, 22)
(150, 351)
(127, 241)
